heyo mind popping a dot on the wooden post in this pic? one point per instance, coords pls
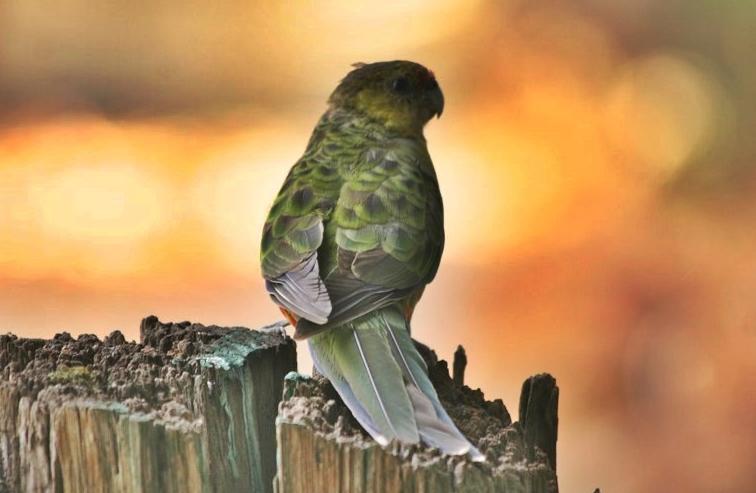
(196, 409)
(323, 450)
(189, 409)
(539, 401)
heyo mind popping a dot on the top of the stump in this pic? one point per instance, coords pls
(313, 403)
(154, 375)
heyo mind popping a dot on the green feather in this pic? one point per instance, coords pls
(375, 367)
(358, 357)
(355, 232)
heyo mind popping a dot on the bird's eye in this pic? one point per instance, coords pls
(400, 84)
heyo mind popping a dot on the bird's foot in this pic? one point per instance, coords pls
(278, 328)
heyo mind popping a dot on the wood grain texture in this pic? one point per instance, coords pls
(539, 402)
(189, 409)
(196, 409)
(322, 450)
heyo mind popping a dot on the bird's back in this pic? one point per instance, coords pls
(376, 195)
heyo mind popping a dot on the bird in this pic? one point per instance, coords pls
(351, 240)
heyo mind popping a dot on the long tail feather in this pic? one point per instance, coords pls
(345, 391)
(357, 359)
(374, 366)
(369, 372)
(434, 424)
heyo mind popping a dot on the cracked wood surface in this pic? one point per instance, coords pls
(188, 409)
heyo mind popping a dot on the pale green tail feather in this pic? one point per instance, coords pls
(433, 430)
(437, 429)
(357, 359)
(374, 366)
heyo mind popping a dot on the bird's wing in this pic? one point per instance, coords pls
(388, 232)
(292, 235)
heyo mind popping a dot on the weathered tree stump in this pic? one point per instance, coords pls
(193, 409)
(321, 449)
(190, 408)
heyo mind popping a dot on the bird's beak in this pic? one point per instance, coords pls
(437, 102)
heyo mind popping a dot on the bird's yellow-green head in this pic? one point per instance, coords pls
(401, 95)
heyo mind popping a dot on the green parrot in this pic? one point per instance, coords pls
(353, 237)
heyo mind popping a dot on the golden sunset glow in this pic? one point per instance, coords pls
(595, 158)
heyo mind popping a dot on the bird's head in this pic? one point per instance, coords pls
(400, 94)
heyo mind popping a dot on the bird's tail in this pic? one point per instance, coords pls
(382, 378)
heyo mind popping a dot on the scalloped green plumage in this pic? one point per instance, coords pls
(357, 177)
(354, 236)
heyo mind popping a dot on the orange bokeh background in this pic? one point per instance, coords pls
(596, 160)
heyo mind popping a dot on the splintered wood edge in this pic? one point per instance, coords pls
(300, 425)
(233, 348)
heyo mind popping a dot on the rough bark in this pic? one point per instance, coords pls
(539, 401)
(323, 450)
(193, 409)
(189, 408)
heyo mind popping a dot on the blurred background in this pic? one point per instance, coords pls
(596, 159)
